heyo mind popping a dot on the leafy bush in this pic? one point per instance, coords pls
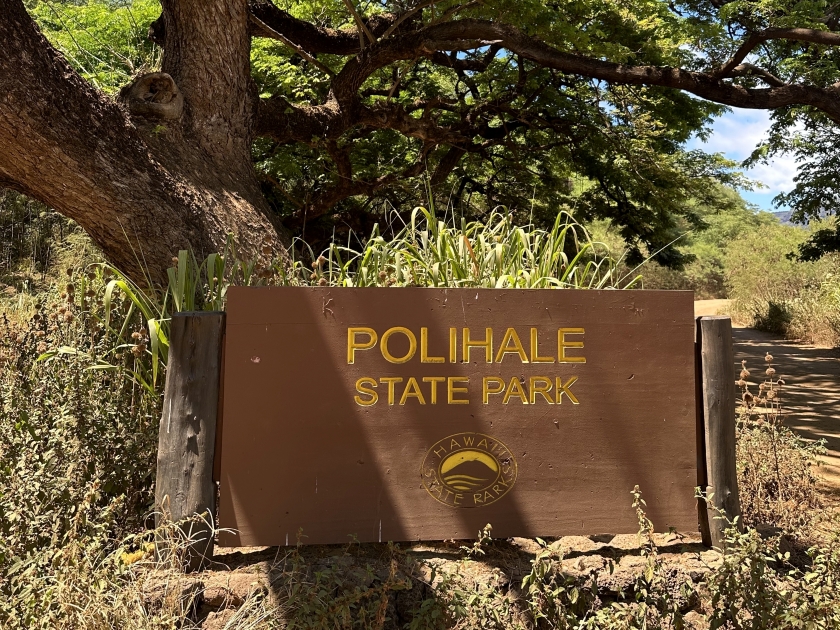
(77, 444)
(757, 588)
(814, 314)
(772, 290)
(723, 217)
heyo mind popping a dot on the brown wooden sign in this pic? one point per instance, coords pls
(424, 414)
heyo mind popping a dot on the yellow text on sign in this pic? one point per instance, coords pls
(486, 346)
(456, 390)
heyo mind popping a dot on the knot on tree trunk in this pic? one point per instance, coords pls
(157, 31)
(153, 95)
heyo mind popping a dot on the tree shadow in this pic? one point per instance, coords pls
(810, 395)
(577, 463)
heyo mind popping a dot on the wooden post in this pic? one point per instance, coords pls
(717, 390)
(187, 440)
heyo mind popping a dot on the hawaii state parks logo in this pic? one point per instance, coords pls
(468, 470)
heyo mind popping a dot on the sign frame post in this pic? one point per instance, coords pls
(717, 470)
(185, 490)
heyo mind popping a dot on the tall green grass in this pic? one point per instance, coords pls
(497, 253)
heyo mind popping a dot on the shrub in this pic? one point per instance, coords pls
(723, 216)
(774, 291)
(757, 588)
(78, 444)
(814, 315)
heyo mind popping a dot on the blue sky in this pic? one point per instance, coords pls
(736, 134)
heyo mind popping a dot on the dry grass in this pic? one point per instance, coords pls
(777, 479)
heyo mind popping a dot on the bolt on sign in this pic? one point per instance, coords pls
(424, 414)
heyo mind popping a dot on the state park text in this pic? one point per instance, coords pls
(462, 346)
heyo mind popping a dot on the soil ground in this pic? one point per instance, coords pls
(811, 396)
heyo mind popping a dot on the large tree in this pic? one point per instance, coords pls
(169, 163)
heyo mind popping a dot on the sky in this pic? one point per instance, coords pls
(736, 134)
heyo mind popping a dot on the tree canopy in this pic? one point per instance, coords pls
(344, 109)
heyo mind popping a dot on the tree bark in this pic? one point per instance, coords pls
(142, 188)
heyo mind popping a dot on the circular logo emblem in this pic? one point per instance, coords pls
(468, 470)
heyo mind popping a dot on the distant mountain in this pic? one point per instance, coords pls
(784, 217)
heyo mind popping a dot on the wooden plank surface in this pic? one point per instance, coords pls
(187, 442)
(718, 403)
(299, 452)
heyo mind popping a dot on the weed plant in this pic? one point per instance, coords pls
(776, 468)
(757, 587)
(493, 254)
(77, 445)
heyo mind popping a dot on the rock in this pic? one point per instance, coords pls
(218, 620)
(168, 591)
(231, 590)
(695, 621)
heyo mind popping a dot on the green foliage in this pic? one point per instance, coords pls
(552, 598)
(722, 217)
(756, 587)
(532, 139)
(426, 251)
(822, 242)
(803, 132)
(105, 40)
(608, 151)
(775, 291)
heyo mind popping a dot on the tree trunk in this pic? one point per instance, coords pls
(143, 186)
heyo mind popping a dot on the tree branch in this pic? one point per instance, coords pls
(321, 203)
(142, 189)
(272, 33)
(446, 165)
(69, 146)
(809, 35)
(749, 70)
(745, 49)
(469, 34)
(464, 64)
(311, 38)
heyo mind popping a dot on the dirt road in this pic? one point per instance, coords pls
(811, 395)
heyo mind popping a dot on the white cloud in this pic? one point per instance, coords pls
(777, 175)
(736, 134)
